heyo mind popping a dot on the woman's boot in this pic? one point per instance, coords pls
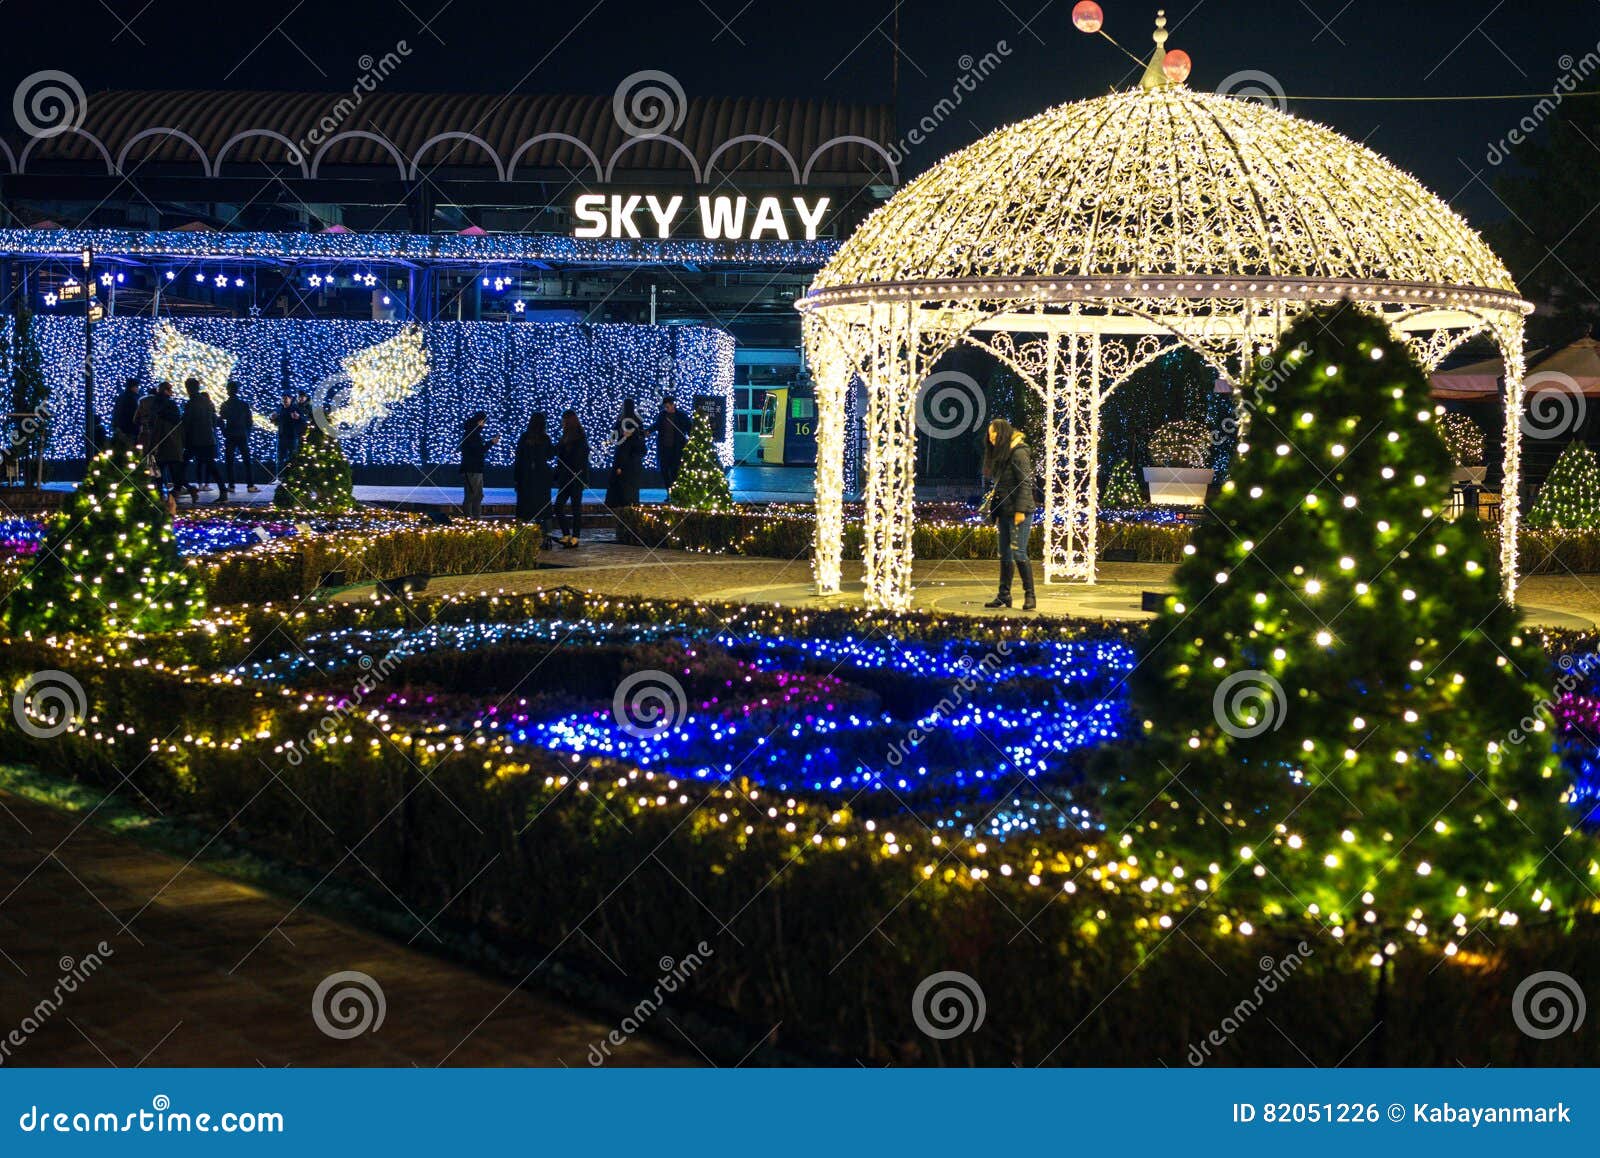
(1025, 573)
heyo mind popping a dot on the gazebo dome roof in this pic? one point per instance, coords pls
(1166, 182)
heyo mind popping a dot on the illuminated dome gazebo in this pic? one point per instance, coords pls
(1082, 244)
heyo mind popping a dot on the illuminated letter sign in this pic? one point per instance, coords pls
(722, 217)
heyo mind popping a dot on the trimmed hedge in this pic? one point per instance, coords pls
(290, 569)
(788, 536)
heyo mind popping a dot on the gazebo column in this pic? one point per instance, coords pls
(890, 488)
(1509, 336)
(1071, 456)
(831, 371)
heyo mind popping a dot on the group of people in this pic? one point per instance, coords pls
(541, 466)
(180, 440)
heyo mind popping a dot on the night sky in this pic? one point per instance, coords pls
(839, 49)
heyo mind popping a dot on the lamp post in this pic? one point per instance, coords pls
(88, 358)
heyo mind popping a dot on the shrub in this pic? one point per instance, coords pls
(753, 531)
(1181, 444)
(1463, 438)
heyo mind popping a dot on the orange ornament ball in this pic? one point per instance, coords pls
(1088, 16)
(1178, 65)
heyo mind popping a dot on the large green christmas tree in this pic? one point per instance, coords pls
(109, 563)
(317, 479)
(1339, 711)
(1569, 500)
(702, 484)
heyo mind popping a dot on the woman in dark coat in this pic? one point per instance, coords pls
(124, 415)
(572, 470)
(200, 441)
(474, 456)
(163, 439)
(533, 474)
(1010, 464)
(627, 457)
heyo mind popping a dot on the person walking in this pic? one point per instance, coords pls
(474, 452)
(572, 471)
(125, 414)
(287, 419)
(672, 435)
(627, 457)
(237, 422)
(200, 441)
(161, 434)
(533, 474)
(1010, 464)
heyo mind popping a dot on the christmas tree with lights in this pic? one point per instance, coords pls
(702, 485)
(1339, 712)
(317, 478)
(30, 390)
(1121, 489)
(1569, 500)
(109, 564)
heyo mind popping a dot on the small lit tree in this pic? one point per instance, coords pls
(1340, 716)
(30, 391)
(702, 484)
(1121, 489)
(1569, 500)
(1463, 438)
(317, 479)
(109, 563)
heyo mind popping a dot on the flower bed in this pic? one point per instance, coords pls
(912, 798)
(245, 558)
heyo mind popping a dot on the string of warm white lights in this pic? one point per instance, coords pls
(397, 393)
(1161, 211)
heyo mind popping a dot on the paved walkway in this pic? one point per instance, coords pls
(173, 991)
(957, 586)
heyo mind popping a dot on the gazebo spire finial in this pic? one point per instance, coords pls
(1155, 73)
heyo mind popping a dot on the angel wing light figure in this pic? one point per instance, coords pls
(176, 358)
(370, 382)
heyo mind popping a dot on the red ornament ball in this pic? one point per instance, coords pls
(1088, 16)
(1178, 65)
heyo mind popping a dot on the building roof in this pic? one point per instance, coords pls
(516, 136)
